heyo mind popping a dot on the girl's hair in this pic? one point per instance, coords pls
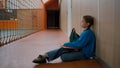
(89, 19)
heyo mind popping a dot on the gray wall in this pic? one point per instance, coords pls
(106, 27)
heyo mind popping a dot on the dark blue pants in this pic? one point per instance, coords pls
(65, 54)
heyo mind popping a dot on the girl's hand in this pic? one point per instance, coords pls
(73, 49)
(65, 47)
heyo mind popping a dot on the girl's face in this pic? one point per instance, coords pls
(84, 24)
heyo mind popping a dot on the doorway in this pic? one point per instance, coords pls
(53, 19)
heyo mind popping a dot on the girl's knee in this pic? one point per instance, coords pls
(65, 58)
(71, 57)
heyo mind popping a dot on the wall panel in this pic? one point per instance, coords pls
(117, 35)
(64, 14)
(107, 22)
(76, 17)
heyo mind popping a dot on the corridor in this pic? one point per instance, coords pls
(32, 27)
(20, 54)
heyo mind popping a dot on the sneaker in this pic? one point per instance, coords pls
(40, 59)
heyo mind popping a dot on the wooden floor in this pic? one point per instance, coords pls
(20, 54)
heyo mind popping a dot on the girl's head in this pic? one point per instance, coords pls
(87, 21)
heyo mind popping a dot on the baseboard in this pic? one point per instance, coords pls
(105, 65)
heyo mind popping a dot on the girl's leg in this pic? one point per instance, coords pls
(56, 53)
(51, 55)
(72, 56)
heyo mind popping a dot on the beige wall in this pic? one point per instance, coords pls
(106, 28)
(64, 16)
(107, 23)
(117, 35)
(30, 19)
(24, 19)
(76, 15)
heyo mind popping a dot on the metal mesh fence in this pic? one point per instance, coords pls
(19, 18)
(16, 24)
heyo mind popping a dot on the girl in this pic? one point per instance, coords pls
(82, 48)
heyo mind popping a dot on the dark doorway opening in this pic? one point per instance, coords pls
(53, 19)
